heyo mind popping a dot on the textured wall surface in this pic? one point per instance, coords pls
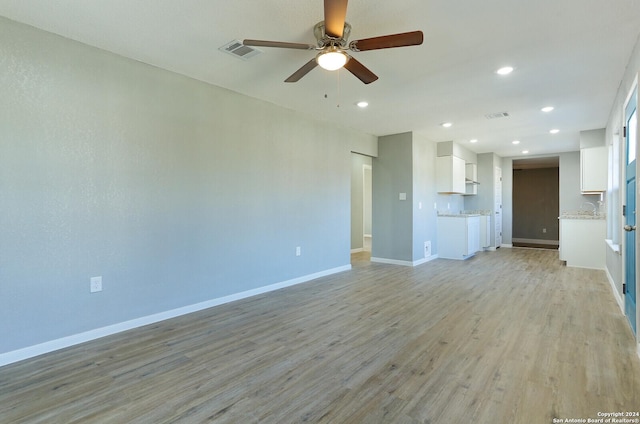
(172, 190)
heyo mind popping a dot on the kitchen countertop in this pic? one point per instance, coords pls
(458, 215)
(482, 212)
(581, 215)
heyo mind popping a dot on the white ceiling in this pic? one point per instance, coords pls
(570, 54)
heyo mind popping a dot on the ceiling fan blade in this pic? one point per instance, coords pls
(306, 68)
(413, 38)
(335, 13)
(360, 71)
(281, 44)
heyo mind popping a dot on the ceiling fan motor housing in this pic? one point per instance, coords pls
(324, 40)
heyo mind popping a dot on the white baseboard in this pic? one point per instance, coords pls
(358, 250)
(614, 289)
(53, 345)
(536, 241)
(404, 263)
(507, 246)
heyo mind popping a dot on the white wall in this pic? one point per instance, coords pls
(174, 191)
(614, 134)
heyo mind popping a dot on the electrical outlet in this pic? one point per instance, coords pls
(298, 251)
(427, 249)
(544, 230)
(95, 284)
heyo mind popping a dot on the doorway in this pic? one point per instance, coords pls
(536, 202)
(361, 207)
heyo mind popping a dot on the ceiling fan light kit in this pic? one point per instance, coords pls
(332, 59)
(332, 35)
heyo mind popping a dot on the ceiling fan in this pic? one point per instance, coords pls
(332, 35)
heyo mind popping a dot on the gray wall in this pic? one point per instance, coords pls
(392, 236)
(174, 191)
(405, 164)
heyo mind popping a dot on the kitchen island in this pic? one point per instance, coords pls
(582, 239)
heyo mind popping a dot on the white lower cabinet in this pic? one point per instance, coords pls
(582, 242)
(458, 236)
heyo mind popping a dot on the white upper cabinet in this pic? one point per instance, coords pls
(593, 169)
(450, 175)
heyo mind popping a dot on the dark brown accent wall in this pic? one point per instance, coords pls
(536, 203)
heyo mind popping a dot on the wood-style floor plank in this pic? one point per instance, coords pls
(508, 336)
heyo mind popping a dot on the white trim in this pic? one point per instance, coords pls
(64, 342)
(613, 246)
(617, 295)
(391, 261)
(358, 250)
(404, 263)
(536, 241)
(506, 246)
(425, 260)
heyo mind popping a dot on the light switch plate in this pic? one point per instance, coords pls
(403, 196)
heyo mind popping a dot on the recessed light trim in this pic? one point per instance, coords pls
(362, 104)
(447, 124)
(515, 142)
(505, 70)
(524, 152)
(554, 131)
(547, 109)
(473, 140)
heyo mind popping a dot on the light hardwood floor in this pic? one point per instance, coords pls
(506, 337)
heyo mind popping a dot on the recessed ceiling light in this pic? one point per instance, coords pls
(446, 124)
(473, 140)
(515, 142)
(554, 131)
(362, 104)
(505, 70)
(524, 152)
(547, 109)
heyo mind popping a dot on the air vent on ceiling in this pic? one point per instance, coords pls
(497, 115)
(239, 50)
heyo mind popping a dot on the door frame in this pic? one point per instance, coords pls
(632, 94)
(367, 168)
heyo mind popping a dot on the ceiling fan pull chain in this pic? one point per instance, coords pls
(339, 95)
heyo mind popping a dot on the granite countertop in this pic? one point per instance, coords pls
(482, 212)
(581, 215)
